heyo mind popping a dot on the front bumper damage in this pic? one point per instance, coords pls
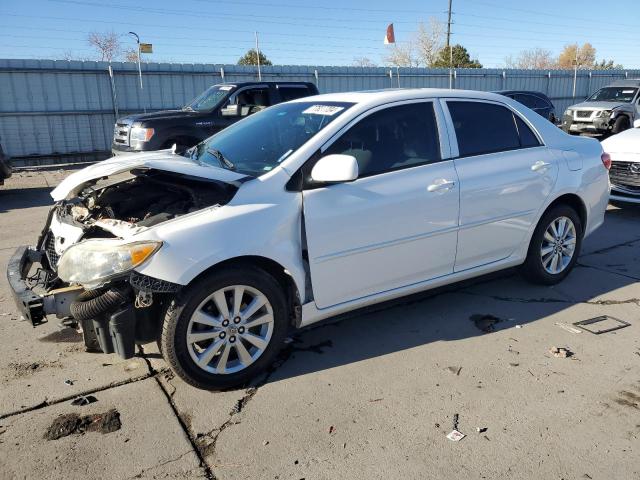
(109, 323)
(597, 125)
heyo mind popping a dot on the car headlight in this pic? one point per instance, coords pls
(604, 113)
(140, 134)
(569, 112)
(93, 262)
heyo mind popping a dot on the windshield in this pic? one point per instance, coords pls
(614, 94)
(209, 99)
(262, 141)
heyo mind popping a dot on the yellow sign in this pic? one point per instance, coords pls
(146, 48)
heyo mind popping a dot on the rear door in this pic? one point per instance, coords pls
(396, 224)
(505, 173)
(289, 91)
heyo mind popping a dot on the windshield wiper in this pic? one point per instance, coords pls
(224, 161)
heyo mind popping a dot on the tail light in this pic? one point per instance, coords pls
(606, 160)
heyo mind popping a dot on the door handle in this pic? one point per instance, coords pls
(540, 165)
(441, 185)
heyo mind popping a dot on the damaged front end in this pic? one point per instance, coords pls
(82, 269)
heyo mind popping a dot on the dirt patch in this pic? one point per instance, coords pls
(72, 423)
(24, 369)
(65, 335)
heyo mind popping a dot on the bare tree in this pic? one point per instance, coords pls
(429, 41)
(536, 58)
(131, 55)
(422, 48)
(107, 44)
(362, 62)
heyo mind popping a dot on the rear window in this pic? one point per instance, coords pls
(483, 128)
(527, 137)
(292, 92)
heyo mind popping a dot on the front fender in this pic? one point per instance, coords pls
(197, 242)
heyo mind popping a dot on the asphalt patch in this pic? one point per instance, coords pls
(72, 423)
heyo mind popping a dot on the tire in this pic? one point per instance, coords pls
(620, 125)
(533, 269)
(197, 301)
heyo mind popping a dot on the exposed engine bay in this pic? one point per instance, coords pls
(145, 199)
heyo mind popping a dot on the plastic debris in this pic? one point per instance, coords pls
(560, 352)
(68, 382)
(568, 328)
(456, 436)
(481, 429)
(81, 401)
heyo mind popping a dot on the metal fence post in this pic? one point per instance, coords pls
(315, 74)
(114, 95)
(222, 74)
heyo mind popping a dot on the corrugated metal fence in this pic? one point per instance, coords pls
(67, 109)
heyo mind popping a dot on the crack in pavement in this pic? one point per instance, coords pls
(604, 302)
(606, 270)
(183, 425)
(153, 467)
(612, 247)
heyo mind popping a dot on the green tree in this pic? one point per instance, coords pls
(456, 57)
(607, 65)
(251, 58)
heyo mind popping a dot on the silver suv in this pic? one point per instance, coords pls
(611, 109)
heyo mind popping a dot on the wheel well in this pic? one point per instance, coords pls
(272, 267)
(575, 202)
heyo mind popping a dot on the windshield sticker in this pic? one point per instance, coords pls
(323, 110)
(628, 91)
(226, 88)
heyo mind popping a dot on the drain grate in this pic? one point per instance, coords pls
(601, 324)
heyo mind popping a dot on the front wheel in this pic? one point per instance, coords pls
(226, 328)
(555, 246)
(620, 125)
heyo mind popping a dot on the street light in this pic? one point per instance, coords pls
(134, 34)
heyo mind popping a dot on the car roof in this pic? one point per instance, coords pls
(632, 82)
(248, 84)
(511, 92)
(376, 97)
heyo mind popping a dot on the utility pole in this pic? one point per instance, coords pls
(449, 46)
(258, 55)
(139, 68)
(575, 72)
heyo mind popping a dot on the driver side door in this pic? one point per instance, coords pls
(397, 223)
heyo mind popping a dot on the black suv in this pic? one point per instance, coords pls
(536, 101)
(5, 167)
(216, 108)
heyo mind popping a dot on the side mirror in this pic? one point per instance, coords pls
(335, 168)
(636, 123)
(230, 111)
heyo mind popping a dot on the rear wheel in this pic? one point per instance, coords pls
(225, 329)
(555, 246)
(620, 125)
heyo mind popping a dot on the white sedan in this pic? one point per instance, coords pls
(624, 150)
(306, 210)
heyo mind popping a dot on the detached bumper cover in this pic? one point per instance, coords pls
(30, 305)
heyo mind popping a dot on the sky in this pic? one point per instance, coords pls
(303, 32)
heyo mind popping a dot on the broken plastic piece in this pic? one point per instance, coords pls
(560, 352)
(456, 436)
(80, 401)
(610, 324)
(568, 328)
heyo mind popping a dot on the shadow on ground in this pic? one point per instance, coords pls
(19, 198)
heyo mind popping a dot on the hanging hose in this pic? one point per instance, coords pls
(93, 303)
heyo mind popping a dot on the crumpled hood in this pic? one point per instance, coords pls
(160, 160)
(624, 142)
(598, 105)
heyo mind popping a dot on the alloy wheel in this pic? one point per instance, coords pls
(230, 329)
(558, 245)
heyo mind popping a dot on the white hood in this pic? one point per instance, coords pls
(161, 160)
(627, 143)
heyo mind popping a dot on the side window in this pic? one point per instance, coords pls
(392, 138)
(483, 127)
(526, 100)
(289, 92)
(252, 100)
(527, 137)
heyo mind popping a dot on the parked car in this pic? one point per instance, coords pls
(610, 110)
(536, 101)
(5, 167)
(306, 210)
(216, 108)
(624, 150)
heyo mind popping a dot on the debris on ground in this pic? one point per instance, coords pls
(376, 400)
(456, 436)
(68, 382)
(514, 364)
(81, 401)
(456, 417)
(602, 324)
(568, 328)
(560, 352)
(72, 423)
(485, 322)
(454, 369)
(331, 429)
(481, 429)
